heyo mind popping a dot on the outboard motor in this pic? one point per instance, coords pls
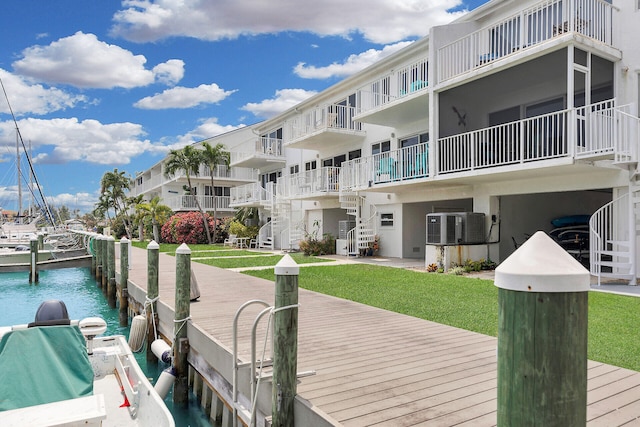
(51, 313)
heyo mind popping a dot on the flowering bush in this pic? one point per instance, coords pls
(185, 227)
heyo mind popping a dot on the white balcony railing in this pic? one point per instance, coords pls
(334, 117)
(312, 182)
(403, 82)
(249, 193)
(407, 163)
(182, 203)
(264, 147)
(529, 27)
(147, 184)
(588, 131)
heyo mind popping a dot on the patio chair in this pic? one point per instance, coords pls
(230, 241)
(253, 243)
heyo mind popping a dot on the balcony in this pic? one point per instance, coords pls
(398, 167)
(598, 131)
(188, 203)
(148, 184)
(264, 153)
(312, 184)
(547, 20)
(226, 174)
(324, 128)
(251, 195)
(399, 97)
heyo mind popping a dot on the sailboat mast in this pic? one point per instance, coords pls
(19, 176)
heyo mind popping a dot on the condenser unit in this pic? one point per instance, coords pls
(455, 228)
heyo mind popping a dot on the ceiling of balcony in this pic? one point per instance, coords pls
(408, 109)
(327, 139)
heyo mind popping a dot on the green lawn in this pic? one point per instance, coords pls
(463, 302)
(469, 303)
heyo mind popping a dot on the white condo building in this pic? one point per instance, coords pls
(518, 117)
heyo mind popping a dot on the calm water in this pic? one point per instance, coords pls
(19, 302)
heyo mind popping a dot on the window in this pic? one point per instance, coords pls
(355, 154)
(414, 140)
(311, 165)
(294, 169)
(381, 147)
(327, 163)
(337, 160)
(217, 191)
(386, 220)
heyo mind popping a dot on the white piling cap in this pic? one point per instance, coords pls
(153, 245)
(541, 265)
(183, 249)
(287, 267)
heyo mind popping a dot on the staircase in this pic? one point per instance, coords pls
(365, 213)
(614, 229)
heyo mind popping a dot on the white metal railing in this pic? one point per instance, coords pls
(262, 147)
(248, 193)
(333, 116)
(529, 27)
(397, 165)
(147, 184)
(405, 81)
(627, 134)
(536, 138)
(208, 203)
(323, 180)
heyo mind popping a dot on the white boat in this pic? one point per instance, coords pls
(58, 372)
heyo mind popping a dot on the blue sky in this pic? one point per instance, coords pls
(98, 85)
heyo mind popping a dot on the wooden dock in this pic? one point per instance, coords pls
(372, 366)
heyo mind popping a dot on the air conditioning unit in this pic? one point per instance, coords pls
(455, 228)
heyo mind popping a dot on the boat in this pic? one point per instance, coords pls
(59, 372)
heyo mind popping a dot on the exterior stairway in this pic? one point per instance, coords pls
(614, 229)
(365, 213)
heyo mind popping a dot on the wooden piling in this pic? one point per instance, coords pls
(285, 343)
(124, 279)
(181, 343)
(153, 257)
(92, 252)
(98, 248)
(542, 336)
(111, 271)
(34, 276)
(105, 264)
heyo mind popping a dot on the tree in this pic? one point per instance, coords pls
(213, 157)
(158, 213)
(188, 160)
(113, 187)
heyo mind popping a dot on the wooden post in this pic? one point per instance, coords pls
(98, 246)
(92, 252)
(181, 343)
(111, 271)
(34, 276)
(542, 336)
(124, 281)
(285, 343)
(40, 241)
(105, 264)
(153, 257)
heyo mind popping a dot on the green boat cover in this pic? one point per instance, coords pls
(43, 365)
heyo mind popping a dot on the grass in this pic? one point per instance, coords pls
(459, 301)
(470, 304)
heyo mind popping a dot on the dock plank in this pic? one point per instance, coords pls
(375, 367)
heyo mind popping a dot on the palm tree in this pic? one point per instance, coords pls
(188, 160)
(158, 213)
(112, 188)
(213, 157)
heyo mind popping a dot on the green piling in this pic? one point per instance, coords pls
(98, 248)
(153, 262)
(123, 313)
(34, 276)
(542, 336)
(285, 342)
(105, 264)
(181, 343)
(111, 271)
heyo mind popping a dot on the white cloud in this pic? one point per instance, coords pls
(67, 140)
(206, 129)
(283, 100)
(351, 65)
(27, 98)
(379, 21)
(82, 60)
(184, 97)
(170, 72)
(83, 201)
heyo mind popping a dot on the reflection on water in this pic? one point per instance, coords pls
(19, 301)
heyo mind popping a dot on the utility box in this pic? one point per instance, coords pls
(455, 228)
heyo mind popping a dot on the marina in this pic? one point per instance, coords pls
(362, 365)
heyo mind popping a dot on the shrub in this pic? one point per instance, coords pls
(314, 246)
(185, 227)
